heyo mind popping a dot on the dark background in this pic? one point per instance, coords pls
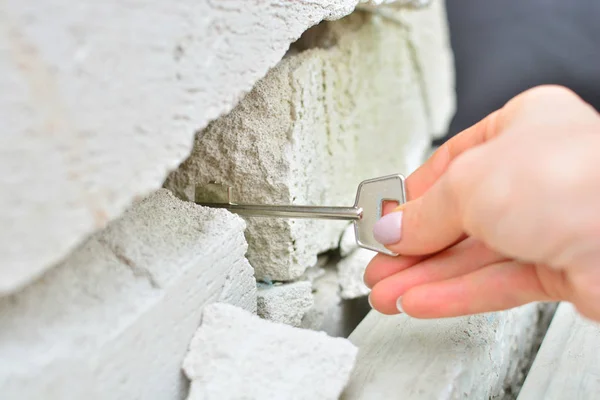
(503, 47)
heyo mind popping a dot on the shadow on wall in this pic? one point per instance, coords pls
(503, 47)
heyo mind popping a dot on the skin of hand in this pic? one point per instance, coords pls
(505, 213)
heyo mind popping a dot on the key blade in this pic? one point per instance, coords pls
(370, 197)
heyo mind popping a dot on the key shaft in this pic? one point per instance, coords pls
(291, 211)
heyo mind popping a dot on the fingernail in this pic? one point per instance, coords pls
(399, 304)
(369, 300)
(389, 228)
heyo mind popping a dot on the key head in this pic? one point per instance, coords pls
(370, 197)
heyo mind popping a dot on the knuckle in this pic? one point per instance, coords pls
(550, 93)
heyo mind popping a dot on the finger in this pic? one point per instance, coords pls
(542, 103)
(496, 287)
(450, 184)
(428, 173)
(383, 266)
(422, 215)
(458, 260)
(433, 221)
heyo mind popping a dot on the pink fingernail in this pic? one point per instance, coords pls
(389, 228)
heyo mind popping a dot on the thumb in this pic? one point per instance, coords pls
(433, 221)
(429, 223)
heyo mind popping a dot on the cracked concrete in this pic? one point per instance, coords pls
(97, 114)
(236, 355)
(304, 134)
(115, 318)
(284, 303)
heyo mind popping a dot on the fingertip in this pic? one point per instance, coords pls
(383, 266)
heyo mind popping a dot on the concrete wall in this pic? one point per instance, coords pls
(350, 102)
(102, 100)
(105, 276)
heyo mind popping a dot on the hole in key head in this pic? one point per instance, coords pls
(388, 206)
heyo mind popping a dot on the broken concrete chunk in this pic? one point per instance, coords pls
(473, 357)
(79, 144)
(351, 270)
(237, 355)
(284, 303)
(114, 320)
(317, 125)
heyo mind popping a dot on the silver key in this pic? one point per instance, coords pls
(367, 209)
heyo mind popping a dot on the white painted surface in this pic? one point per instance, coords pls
(459, 358)
(319, 123)
(115, 319)
(568, 363)
(237, 355)
(284, 303)
(101, 100)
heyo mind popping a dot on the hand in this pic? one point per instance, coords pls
(503, 214)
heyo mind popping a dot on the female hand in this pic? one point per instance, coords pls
(503, 214)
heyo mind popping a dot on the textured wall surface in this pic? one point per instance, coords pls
(105, 98)
(115, 319)
(568, 363)
(347, 104)
(475, 357)
(236, 355)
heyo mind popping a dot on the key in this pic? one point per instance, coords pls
(367, 209)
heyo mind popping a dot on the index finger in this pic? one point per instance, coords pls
(427, 174)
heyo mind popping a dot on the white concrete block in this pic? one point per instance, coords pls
(309, 132)
(431, 53)
(284, 303)
(115, 319)
(327, 303)
(95, 114)
(473, 357)
(568, 363)
(351, 270)
(348, 241)
(236, 355)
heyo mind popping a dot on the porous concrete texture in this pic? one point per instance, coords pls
(348, 241)
(115, 319)
(95, 114)
(431, 54)
(284, 303)
(237, 355)
(326, 300)
(474, 357)
(351, 270)
(568, 363)
(345, 106)
(330, 313)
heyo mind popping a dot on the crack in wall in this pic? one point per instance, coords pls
(137, 270)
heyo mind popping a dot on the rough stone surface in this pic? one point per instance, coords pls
(115, 319)
(567, 365)
(284, 303)
(432, 55)
(236, 355)
(348, 241)
(351, 270)
(94, 114)
(473, 357)
(326, 300)
(342, 110)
